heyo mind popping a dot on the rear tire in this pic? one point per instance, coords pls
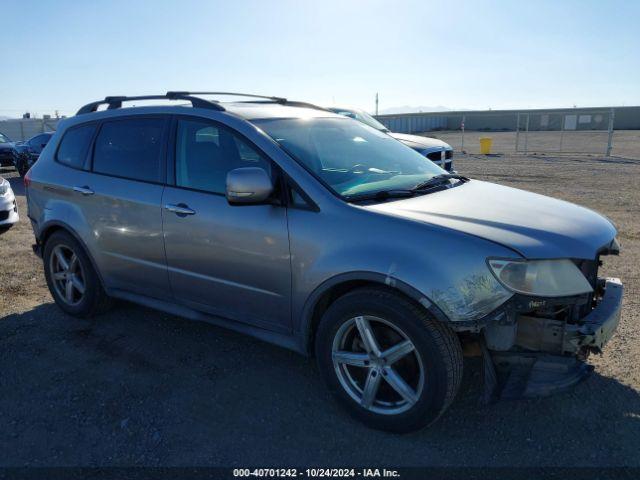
(414, 376)
(71, 278)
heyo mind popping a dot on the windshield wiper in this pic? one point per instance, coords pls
(380, 195)
(439, 180)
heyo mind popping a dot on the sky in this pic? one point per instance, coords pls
(461, 54)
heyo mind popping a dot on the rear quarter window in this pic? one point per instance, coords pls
(75, 145)
(130, 148)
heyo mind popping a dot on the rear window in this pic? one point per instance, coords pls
(130, 148)
(74, 146)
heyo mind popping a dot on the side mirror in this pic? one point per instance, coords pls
(247, 186)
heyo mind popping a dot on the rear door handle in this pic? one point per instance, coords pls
(179, 209)
(83, 190)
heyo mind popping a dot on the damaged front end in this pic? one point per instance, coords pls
(535, 346)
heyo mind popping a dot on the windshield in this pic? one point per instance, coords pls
(349, 157)
(361, 116)
(4, 139)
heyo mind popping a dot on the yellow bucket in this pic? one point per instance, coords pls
(485, 145)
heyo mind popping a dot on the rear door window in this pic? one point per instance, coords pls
(130, 148)
(75, 145)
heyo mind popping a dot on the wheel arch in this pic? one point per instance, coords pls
(337, 286)
(55, 226)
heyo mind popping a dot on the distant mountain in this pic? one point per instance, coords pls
(410, 109)
(2, 117)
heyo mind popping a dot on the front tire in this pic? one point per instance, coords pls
(71, 278)
(387, 360)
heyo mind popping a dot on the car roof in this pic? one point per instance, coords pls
(249, 111)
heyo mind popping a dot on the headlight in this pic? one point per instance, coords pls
(540, 278)
(4, 187)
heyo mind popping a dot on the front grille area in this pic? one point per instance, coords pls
(4, 215)
(589, 269)
(437, 156)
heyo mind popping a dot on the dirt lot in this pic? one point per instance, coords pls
(140, 387)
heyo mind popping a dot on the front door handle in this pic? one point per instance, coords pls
(179, 209)
(83, 190)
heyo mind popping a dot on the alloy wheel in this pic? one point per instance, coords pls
(67, 275)
(378, 365)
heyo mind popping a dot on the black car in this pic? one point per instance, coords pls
(8, 152)
(29, 151)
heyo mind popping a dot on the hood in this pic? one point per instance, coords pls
(534, 225)
(416, 141)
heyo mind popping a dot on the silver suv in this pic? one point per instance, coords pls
(323, 235)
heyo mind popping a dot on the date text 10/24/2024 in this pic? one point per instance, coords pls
(317, 472)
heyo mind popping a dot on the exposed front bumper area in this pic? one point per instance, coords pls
(538, 356)
(591, 333)
(599, 326)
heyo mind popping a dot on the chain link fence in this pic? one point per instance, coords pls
(565, 132)
(571, 131)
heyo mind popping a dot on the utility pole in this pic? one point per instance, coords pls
(612, 114)
(376, 104)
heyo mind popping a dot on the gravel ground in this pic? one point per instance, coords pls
(138, 387)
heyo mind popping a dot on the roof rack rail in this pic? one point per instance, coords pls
(295, 103)
(280, 100)
(233, 94)
(116, 102)
(292, 103)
